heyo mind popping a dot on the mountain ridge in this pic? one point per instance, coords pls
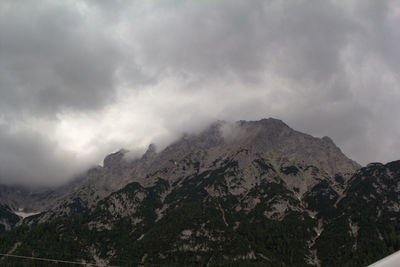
(220, 140)
(198, 226)
(237, 193)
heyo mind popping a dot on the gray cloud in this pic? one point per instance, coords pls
(53, 57)
(88, 77)
(30, 158)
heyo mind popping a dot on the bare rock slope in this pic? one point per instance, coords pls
(239, 193)
(301, 160)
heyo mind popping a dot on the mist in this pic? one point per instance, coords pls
(82, 79)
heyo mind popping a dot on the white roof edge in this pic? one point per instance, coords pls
(393, 260)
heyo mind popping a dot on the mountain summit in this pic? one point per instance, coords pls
(269, 141)
(249, 192)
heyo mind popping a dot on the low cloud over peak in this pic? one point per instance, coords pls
(81, 79)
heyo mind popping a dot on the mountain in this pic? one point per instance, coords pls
(17, 202)
(251, 192)
(268, 139)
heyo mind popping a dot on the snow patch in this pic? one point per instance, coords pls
(23, 214)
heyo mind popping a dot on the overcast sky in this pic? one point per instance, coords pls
(81, 79)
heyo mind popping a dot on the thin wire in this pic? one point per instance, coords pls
(74, 262)
(53, 260)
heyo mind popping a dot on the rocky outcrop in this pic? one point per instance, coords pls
(300, 159)
(237, 193)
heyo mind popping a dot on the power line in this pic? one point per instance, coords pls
(53, 260)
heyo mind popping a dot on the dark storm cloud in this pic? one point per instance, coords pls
(52, 57)
(324, 67)
(211, 40)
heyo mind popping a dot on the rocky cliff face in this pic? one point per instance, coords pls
(300, 159)
(244, 193)
(202, 220)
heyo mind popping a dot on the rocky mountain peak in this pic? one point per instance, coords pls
(327, 139)
(252, 146)
(249, 192)
(149, 155)
(114, 159)
(151, 151)
(271, 123)
(275, 140)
